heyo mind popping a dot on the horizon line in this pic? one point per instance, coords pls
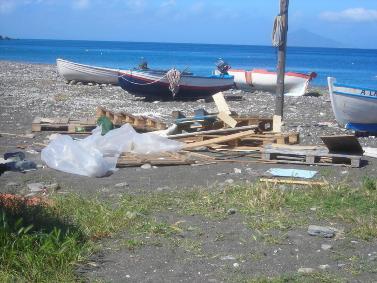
(196, 43)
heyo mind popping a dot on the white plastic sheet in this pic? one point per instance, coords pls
(97, 155)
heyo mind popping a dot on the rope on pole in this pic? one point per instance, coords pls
(278, 32)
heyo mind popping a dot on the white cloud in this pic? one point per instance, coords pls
(168, 3)
(81, 4)
(350, 15)
(197, 8)
(136, 6)
(7, 6)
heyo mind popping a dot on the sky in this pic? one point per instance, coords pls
(353, 23)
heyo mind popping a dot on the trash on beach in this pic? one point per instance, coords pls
(15, 161)
(97, 155)
(295, 173)
(370, 152)
(293, 182)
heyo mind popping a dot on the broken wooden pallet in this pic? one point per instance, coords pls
(64, 125)
(165, 158)
(309, 155)
(252, 140)
(139, 122)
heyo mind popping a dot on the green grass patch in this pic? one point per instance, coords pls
(45, 243)
(268, 207)
(316, 277)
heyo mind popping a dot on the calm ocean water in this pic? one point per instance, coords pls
(353, 66)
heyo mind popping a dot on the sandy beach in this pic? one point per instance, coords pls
(31, 90)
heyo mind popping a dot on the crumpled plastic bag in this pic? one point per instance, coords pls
(97, 155)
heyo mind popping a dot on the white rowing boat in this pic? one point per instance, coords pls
(72, 71)
(354, 107)
(295, 84)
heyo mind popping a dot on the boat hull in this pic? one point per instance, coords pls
(353, 105)
(295, 84)
(150, 84)
(72, 71)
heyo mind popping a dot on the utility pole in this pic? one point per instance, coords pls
(279, 100)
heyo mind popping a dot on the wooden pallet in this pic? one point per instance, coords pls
(209, 121)
(63, 125)
(309, 155)
(166, 158)
(251, 140)
(138, 122)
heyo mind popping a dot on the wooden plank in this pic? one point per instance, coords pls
(276, 123)
(220, 102)
(220, 131)
(227, 119)
(293, 182)
(343, 144)
(219, 139)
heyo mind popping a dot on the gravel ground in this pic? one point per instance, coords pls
(30, 90)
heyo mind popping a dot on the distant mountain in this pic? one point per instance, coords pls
(305, 38)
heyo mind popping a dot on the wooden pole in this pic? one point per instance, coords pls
(279, 101)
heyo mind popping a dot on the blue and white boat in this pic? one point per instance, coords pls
(167, 85)
(354, 107)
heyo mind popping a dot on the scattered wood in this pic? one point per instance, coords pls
(219, 131)
(309, 155)
(166, 158)
(64, 125)
(142, 123)
(277, 123)
(293, 182)
(220, 102)
(246, 143)
(219, 139)
(347, 144)
(227, 119)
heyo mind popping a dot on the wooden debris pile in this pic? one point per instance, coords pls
(86, 125)
(224, 134)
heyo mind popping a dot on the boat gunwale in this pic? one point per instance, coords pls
(266, 72)
(129, 76)
(218, 77)
(66, 62)
(354, 95)
(353, 87)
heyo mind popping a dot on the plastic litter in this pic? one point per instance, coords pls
(296, 173)
(97, 155)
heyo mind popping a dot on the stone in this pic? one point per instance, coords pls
(52, 187)
(305, 270)
(30, 136)
(229, 181)
(12, 185)
(236, 265)
(231, 211)
(324, 266)
(326, 232)
(326, 247)
(161, 189)
(237, 171)
(36, 187)
(146, 166)
(228, 257)
(120, 185)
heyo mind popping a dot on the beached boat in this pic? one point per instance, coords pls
(295, 84)
(172, 84)
(72, 71)
(354, 107)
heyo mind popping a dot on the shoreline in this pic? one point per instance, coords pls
(36, 90)
(311, 85)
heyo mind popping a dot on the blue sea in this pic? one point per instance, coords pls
(352, 66)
